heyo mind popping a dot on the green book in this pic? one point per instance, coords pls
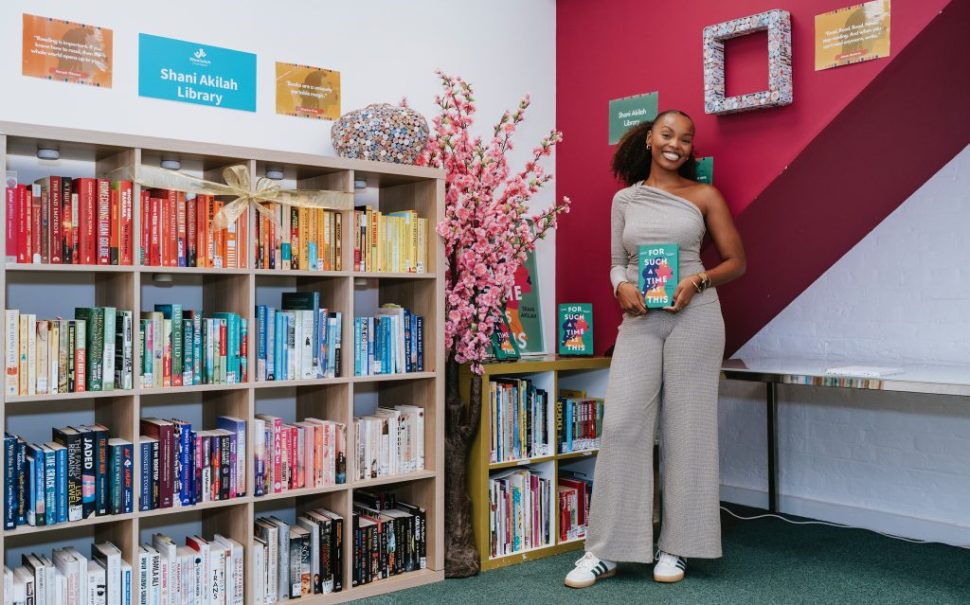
(658, 270)
(94, 345)
(575, 329)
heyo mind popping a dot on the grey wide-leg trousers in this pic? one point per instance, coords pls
(668, 364)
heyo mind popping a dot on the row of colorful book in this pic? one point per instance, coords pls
(390, 442)
(202, 572)
(177, 230)
(300, 341)
(396, 242)
(521, 509)
(93, 352)
(519, 425)
(181, 347)
(297, 455)
(61, 220)
(81, 473)
(389, 537)
(182, 467)
(295, 561)
(69, 578)
(301, 239)
(390, 343)
(579, 423)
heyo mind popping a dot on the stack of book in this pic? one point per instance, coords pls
(203, 572)
(81, 473)
(580, 423)
(390, 243)
(391, 343)
(307, 454)
(182, 348)
(93, 352)
(521, 511)
(390, 442)
(390, 537)
(293, 561)
(304, 239)
(300, 341)
(519, 415)
(177, 231)
(182, 467)
(60, 220)
(70, 578)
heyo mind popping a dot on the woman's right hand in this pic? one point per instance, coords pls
(630, 299)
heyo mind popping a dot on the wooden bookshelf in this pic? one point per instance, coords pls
(400, 187)
(550, 373)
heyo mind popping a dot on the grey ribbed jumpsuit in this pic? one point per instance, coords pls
(666, 363)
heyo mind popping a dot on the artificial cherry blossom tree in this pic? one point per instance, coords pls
(488, 232)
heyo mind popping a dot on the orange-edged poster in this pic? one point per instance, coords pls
(307, 92)
(67, 52)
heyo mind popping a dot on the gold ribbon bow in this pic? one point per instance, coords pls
(238, 184)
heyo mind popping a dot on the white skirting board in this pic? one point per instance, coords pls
(890, 523)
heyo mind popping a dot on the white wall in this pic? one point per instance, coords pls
(897, 462)
(383, 49)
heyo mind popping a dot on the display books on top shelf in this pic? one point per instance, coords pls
(575, 329)
(658, 269)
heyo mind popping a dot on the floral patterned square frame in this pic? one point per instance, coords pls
(778, 24)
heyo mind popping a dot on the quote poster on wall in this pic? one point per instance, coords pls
(54, 49)
(307, 92)
(852, 35)
(627, 112)
(189, 72)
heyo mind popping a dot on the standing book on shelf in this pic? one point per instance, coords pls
(575, 329)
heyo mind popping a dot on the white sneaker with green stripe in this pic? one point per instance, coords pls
(669, 568)
(589, 568)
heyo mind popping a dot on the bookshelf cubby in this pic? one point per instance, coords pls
(51, 290)
(552, 374)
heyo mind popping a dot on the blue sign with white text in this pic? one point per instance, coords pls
(196, 73)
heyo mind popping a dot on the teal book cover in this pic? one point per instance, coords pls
(575, 329)
(658, 273)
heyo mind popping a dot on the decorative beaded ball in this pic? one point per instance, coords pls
(381, 132)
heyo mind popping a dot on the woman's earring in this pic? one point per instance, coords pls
(648, 147)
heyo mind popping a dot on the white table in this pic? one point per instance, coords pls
(925, 379)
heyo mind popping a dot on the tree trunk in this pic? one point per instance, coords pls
(461, 425)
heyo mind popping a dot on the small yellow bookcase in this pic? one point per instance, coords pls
(551, 373)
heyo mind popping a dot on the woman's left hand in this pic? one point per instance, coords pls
(683, 294)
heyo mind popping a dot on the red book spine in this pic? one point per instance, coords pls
(86, 190)
(170, 223)
(33, 194)
(156, 232)
(145, 245)
(104, 222)
(204, 258)
(13, 241)
(56, 219)
(218, 239)
(114, 227)
(125, 225)
(294, 460)
(191, 232)
(181, 229)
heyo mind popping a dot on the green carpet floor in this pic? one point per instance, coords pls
(765, 562)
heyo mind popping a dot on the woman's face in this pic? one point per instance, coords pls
(671, 141)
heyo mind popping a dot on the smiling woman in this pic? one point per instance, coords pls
(665, 364)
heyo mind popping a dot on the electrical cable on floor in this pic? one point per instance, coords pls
(839, 525)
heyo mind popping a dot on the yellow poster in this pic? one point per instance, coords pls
(307, 92)
(852, 34)
(68, 52)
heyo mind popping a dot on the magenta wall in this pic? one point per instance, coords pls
(616, 48)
